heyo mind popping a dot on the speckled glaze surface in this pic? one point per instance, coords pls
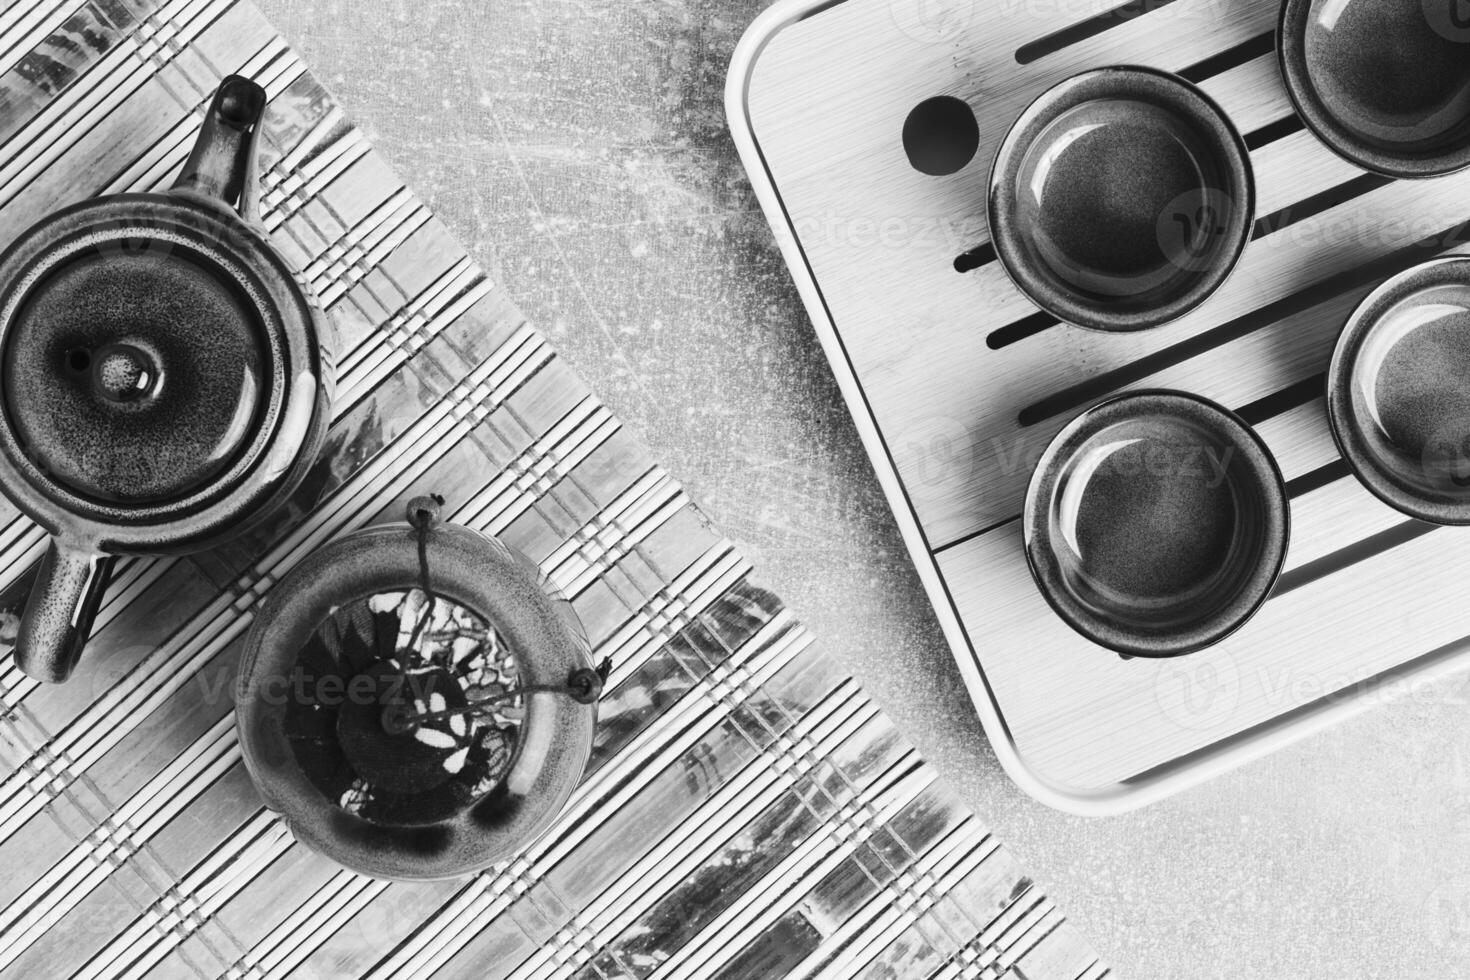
(110, 383)
(1156, 523)
(166, 377)
(1384, 83)
(1398, 392)
(1121, 199)
(482, 575)
(179, 280)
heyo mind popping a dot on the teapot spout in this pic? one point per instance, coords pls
(222, 165)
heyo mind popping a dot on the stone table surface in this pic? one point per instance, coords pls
(578, 147)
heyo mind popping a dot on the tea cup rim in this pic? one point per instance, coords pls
(1144, 83)
(1265, 476)
(1291, 54)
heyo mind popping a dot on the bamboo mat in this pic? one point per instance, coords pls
(748, 811)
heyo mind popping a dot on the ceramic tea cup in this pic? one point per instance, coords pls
(1384, 83)
(1398, 391)
(1156, 523)
(1121, 199)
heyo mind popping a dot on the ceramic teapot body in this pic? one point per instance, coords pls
(165, 378)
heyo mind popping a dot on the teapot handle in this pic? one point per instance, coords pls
(58, 618)
(222, 164)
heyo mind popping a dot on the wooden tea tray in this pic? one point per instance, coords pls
(957, 383)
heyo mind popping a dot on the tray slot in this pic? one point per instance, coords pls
(1302, 444)
(1290, 398)
(975, 258)
(1292, 171)
(1336, 469)
(1252, 95)
(1261, 47)
(1083, 30)
(1331, 520)
(1358, 551)
(1310, 207)
(1019, 330)
(1271, 132)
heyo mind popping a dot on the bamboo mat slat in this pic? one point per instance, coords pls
(748, 812)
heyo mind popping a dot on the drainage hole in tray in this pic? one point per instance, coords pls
(941, 136)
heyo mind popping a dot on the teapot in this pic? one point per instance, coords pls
(165, 377)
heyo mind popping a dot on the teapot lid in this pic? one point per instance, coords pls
(136, 371)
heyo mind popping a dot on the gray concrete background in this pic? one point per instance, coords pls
(579, 148)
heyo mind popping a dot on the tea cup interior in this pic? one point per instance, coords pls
(1120, 199)
(1386, 83)
(1156, 524)
(1399, 392)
